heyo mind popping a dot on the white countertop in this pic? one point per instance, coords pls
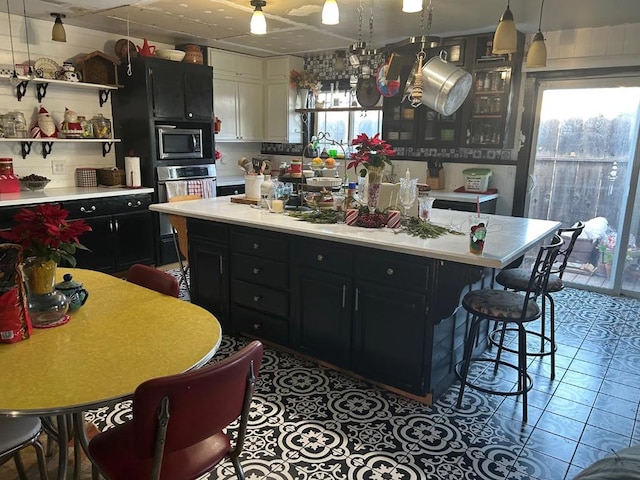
(65, 194)
(462, 196)
(507, 237)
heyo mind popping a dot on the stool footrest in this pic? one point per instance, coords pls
(542, 351)
(495, 362)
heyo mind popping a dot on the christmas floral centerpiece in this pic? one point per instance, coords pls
(47, 239)
(370, 158)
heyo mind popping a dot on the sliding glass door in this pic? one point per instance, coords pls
(585, 167)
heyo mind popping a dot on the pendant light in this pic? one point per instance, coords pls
(330, 13)
(411, 6)
(258, 22)
(57, 33)
(537, 56)
(505, 39)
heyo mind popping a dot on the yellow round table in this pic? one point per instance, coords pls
(123, 335)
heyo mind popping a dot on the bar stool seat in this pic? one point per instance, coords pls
(507, 307)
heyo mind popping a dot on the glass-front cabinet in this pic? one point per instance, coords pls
(490, 107)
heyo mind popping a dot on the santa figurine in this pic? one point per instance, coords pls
(45, 127)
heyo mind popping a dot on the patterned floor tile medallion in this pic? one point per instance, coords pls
(311, 423)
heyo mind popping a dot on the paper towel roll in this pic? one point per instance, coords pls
(132, 171)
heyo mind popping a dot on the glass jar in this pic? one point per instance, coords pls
(266, 192)
(87, 127)
(47, 307)
(101, 126)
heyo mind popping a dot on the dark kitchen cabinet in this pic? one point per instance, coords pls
(121, 232)
(323, 289)
(209, 264)
(181, 91)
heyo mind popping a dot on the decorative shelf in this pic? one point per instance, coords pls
(42, 84)
(47, 143)
(480, 115)
(336, 109)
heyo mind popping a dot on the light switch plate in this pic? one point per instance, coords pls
(58, 167)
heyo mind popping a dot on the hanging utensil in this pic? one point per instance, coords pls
(446, 86)
(417, 91)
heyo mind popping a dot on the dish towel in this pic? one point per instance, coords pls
(202, 187)
(176, 188)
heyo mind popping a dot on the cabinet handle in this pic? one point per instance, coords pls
(256, 271)
(190, 115)
(117, 226)
(236, 192)
(220, 262)
(111, 226)
(256, 326)
(344, 295)
(256, 298)
(356, 302)
(256, 246)
(389, 271)
(320, 258)
(90, 209)
(137, 204)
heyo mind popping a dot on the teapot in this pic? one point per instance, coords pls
(146, 50)
(73, 291)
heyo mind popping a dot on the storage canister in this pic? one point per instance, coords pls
(86, 177)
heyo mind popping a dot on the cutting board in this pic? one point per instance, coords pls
(244, 200)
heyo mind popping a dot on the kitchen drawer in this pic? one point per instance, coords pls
(260, 270)
(260, 325)
(260, 244)
(209, 231)
(258, 297)
(328, 256)
(382, 267)
(95, 207)
(225, 190)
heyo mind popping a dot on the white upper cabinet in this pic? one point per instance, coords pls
(227, 64)
(282, 123)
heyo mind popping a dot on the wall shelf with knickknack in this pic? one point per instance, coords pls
(47, 143)
(43, 83)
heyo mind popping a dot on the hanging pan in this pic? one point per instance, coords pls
(445, 86)
(367, 92)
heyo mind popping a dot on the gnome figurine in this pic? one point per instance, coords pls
(45, 127)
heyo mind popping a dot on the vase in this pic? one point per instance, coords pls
(303, 94)
(374, 179)
(47, 307)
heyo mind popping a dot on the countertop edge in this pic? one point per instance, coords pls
(67, 193)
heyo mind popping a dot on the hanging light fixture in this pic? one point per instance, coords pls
(505, 39)
(57, 33)
(411, 6)
(258, 22)
(330, 13)
(537, 56)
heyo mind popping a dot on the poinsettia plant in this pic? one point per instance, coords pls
(45, 232)
(370, 152)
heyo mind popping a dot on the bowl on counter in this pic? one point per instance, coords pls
(34, 185)
(173, 55)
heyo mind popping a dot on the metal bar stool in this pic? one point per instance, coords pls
(507, 307)
(516, 279)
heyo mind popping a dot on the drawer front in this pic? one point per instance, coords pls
(209, 231)
(260, 325)
(380, 267)
(260, 270)
(261, 298)
(254, 242)
(327, 256)
(225, 190)
(95, 207)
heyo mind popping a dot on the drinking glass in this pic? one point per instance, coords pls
(408, 193)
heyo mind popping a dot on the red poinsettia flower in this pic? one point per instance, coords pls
(370, 152)
(45, 232)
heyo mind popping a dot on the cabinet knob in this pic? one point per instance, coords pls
(320, 258)
(190, 115)
(389, 271)
(256, 326)
(256, 246)
(256, 298)
(236, 192)
(131, 204)
(256, 271)
(90, 209)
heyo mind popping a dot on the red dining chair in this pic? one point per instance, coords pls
(153, 279)
(177, 427)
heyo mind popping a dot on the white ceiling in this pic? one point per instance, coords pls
(294, 26)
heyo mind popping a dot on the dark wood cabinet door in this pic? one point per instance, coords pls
(389, 336)
(210, 278)
(168, 92)
(322, 318)
(99, 241)
(198, 95)
(134, 234)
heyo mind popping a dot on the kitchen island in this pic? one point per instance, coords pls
(380, 304)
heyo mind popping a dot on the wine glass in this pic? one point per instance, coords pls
(408, 193)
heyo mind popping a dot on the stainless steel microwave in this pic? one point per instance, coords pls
(178, 143)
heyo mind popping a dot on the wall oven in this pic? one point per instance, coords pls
(178, 143)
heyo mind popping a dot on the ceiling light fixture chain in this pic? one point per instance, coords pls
(540, 21)
(26, 33)
(14, 75)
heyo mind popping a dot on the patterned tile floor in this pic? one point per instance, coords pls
(309, 422)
